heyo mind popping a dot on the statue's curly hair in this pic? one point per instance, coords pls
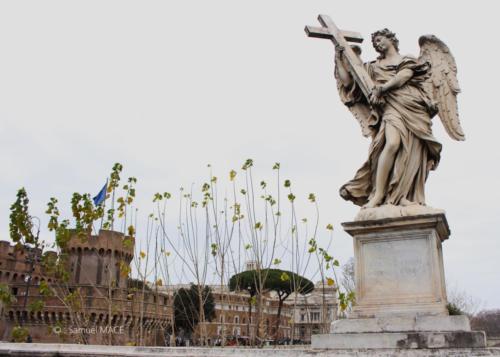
(388, 34)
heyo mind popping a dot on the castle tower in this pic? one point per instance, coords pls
(96, 260)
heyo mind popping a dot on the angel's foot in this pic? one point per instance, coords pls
(405, 202)
(375, 201)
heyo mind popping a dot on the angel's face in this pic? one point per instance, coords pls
(381, 44)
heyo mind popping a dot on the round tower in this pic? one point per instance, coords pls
(99, 259)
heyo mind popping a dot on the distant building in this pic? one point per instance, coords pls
(251, 265)
(301, 315)
(314, 312)
(233, 321)
(109, 306)
(232, 316)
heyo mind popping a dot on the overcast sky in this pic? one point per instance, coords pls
(167, 87)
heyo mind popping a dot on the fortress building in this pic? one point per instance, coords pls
(94, 303)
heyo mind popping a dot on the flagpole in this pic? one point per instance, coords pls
(104, 206)
(113, 209)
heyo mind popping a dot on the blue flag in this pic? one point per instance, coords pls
(101, 196)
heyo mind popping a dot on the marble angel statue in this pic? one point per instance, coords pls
(397, 115)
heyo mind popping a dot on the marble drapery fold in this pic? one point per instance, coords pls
(409, 110)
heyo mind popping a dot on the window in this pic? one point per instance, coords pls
(302, 317)
(236, 319)
(314, 316)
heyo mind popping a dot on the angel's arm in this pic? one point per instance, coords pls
(343, 74)
(398, 80)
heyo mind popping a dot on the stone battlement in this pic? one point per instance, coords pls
(7, 249)
(105, 242)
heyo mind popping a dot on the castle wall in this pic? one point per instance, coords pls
(94, 267)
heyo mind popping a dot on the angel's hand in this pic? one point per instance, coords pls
(376, 95)
(378, 91)
(339, 50)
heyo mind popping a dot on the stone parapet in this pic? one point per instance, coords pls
(67, 350)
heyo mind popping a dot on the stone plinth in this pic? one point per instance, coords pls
(399, 266)
(401, 340)
(400, 289)
(402, 324)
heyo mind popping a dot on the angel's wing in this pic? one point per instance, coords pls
(364, 116)
(443, 84)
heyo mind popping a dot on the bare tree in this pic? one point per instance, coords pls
(348, 282)
(461, 300)
(488, 321)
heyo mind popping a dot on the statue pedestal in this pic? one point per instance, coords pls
(400, 289)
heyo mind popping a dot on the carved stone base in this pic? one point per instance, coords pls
(400, 289)
(401, 340)
(399, 266)
(402, 324)
(391, 211)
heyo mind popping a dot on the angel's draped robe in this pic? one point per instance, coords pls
(408, 109)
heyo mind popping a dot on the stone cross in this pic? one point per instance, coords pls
(340, 37)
